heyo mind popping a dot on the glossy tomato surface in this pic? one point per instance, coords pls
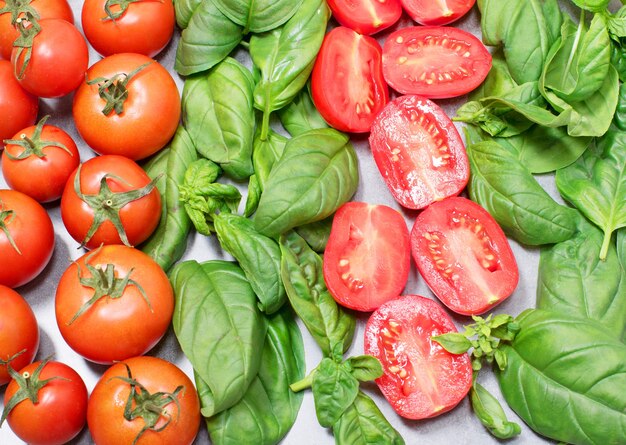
(437, 12)
(18, 107)
(105, 414)
(151, 110)
(419, 152)
(26, 238)
(347, 83)
(421, 379)
(366, 16)
(367, 258)
(464, 256)
(122, 323)
(437, 62)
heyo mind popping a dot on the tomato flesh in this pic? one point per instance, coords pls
(436, 12)
(366, 16)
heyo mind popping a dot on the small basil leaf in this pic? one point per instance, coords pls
(365, 367)
(490, 413)
(334, 390)
(453, 342)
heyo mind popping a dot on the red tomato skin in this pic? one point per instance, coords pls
(18, 107)
(403, 125)
(18, 331)
(58, 62)
(145, 28)
(115, 329)
(32, 232)
(151, 112)
(366, 16)
(429, 12)
(105, 413)
(460, 215)
(60, 413)
(413, 58)
(418, 318)
(51, 172)
(139, 217)
(375, 241)
(333, 84)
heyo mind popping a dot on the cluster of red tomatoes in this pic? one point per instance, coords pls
(114, 303)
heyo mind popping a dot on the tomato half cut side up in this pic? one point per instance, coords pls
(347, 82)
(464, 256)
(420, 379)
(366, 16)
(367, 258)
(419, 152)
(437, 62)
(436, 12)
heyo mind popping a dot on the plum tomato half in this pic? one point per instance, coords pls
(18, 107)
(419, 152)
(366, 16)
(464, 256)
(421, 379)
(436, 12)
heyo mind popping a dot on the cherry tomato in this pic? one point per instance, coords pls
(39, 160)
(143, 27)
(46, 9)
(347, 84)
(463, 255)
(18, 107)
(366, 16)
(421, 379)
(19, 333)
(149, 114)
(419, 152)
(436, 12)
(434, 61)
(367, 257)
(166, 384)
(26, 238)
(58, 61)
(59, 413)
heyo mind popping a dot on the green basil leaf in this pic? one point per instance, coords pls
(259, 15)
(266, 153)
(619, 119)
(490, 413)
(453, 342)
(254, 196)
(316, 234)
(365, 367)
(184, 11)
(334, 390)
(592, 5)
(497, 82)
(301, 115)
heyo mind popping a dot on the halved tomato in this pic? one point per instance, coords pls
(421, 379)
(436, 12)
(464, 256)
(366, 16)
(418, 151)
(437, 62)
(367, 258)
(347, 82)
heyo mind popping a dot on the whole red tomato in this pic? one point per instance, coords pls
(143, 27)
(164, 384)
(39, 160)
(113, 303)
(19, 332)
(59, 411)
(110, 200)
(18, 107)
(26, 238)
(141, 114)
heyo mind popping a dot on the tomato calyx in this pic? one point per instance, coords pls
(28, 28)
(11, 358)
(114, 15)
(18, 8)
(113, 90)
(6, 216)
(34, 146)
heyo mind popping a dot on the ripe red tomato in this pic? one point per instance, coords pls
(58, 61)
(421, 379)
(44, 152)
(26, 238)
(18, 107)
(419, 152)
(367, 257)
(134, 304)
(151, 111)
(463, 255)
(178, 423)
(19, 333)
(110, 200)
(430, 12)
(347, 84)
(434, 61)
(145, 27)
(60, 412)
(366, 16)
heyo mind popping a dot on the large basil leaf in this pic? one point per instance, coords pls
(219, 116)
(303, 277)
(258, 15)
(266, 153)
(316, 234)
(184, 11)
(566, 378)
(269, 408)
(317, 173)
(301, 115)
(219, 328)
(334, 389)
(208, 39)
(503, 186)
